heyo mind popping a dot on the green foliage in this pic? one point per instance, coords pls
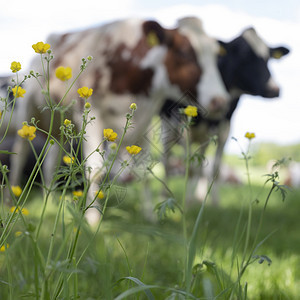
(261, 153)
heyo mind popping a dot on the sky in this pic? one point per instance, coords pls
(277, 22)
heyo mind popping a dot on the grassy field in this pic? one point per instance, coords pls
(129, 246)
(242, 249)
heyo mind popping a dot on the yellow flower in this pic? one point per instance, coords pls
(15, 66)
(40, 47)
(67, 122)
(63, 73)
(24, 210)
(27, 132)
(133, 150)
(17, 191)
(99, 194)
(191, 111)
(4, 247)
(18, 233)
(0, 114)
(78, 193)
(18, 92)
(132, 106)
(68, 160)
(250, 135)
(110, 135)
(85, 92)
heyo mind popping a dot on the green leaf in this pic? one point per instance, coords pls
(164, 207)
(141, 287)
(6, 152)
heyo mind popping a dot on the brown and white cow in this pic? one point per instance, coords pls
(125, 69)
(244, 69)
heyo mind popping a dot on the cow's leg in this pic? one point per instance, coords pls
(223, 135)
(94, 162)
(18, 160)
(202, 176)
(51, 163)
(21, 146)
(169, 137)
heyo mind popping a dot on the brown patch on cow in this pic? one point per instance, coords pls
(180, 62)
(60, 52)
(97, 78)
(126, 74)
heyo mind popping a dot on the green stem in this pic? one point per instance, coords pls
(52, 238)
(183, 204)
(113, 161)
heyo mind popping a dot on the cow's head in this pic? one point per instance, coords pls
(178, 65)
(244, 65)
(211, 91)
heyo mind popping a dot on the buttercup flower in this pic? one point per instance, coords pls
(17, 191)
(27, 132)
(132, 106)
(4, 247)
(68, 160)
(250, 135)
(15, 66)
(99, 194)
(133, 150)
(40, 47)
(85, 92)
(63, 73)
(18, 233)
(191, 111)
(110, 135)
(24, 210)
(78, 193)
(67, 122)
(18, 92)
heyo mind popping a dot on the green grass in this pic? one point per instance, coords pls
(128, 245)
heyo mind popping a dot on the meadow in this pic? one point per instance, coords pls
(129, 247)
(245, 248)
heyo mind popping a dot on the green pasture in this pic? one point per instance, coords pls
(247, 247)
(128, 246)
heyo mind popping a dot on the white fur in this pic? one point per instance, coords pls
(257, 44)
(211, 84)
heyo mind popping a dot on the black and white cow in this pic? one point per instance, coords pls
(243, 64)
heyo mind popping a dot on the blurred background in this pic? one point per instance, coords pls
(277, 22)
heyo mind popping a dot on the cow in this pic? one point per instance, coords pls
(243, 64)
(126, 68)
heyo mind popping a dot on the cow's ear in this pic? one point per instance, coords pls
(154, 33)
(278, 52)
(222, 48)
